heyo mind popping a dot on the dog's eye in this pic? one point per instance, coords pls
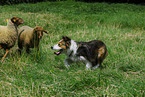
(59, 44)
(63, 44)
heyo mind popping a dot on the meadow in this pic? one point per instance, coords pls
(120, 26)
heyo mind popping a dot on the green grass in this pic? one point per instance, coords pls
(120, 26)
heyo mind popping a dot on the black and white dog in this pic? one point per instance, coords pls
(91, 53)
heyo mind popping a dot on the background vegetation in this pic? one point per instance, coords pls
(3, 2)
(120, 26)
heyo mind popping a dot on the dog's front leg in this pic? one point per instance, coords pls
(88, 65)
(66, 62)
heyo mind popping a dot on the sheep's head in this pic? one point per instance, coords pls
(39, 31)
(17, 20)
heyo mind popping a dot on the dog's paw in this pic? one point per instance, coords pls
(67, 66)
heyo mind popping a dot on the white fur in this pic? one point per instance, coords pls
(71, 55)
(88, 65)
(73, 58)
(8, 34)
(73, 47)
(96, 66)
(56, 47)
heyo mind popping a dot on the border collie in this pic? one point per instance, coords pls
(92, 53)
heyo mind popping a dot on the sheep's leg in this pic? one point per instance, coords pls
(20, 45)
(37, 48)
(19, 50)
(7, 50)
(28, 50)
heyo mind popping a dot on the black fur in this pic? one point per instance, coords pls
(89, 50)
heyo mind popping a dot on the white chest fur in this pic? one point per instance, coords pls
(71, 53)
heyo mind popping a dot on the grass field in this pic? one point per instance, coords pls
(120, 26)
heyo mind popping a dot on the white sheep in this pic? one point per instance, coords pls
(9, 34)
(30, 37)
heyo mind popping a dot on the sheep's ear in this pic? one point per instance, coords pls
(13, 19)
(35, 29)
(6, 20)
(45, 31)
(20, 21)
(17, 20)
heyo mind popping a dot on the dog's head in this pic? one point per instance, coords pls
(62, 45)
(17, 21)
(39, 31)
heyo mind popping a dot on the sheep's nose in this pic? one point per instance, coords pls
(51, 47)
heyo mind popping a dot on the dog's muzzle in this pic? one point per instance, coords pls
(58, 52)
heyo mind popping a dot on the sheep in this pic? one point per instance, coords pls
(29, 37)
(9, 34)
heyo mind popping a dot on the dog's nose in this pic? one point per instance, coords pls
(51, 47)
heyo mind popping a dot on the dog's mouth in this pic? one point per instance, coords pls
(58, 52)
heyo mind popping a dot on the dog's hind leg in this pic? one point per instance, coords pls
(96, 66)
(98, 62)
(88, 63)
(100, 57)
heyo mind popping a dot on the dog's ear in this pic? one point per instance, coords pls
(65, 38)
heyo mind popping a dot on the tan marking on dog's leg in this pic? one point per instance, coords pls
(0, 46)
(101, 52)
(7, 50)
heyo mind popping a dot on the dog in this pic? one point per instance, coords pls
(91, 53)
